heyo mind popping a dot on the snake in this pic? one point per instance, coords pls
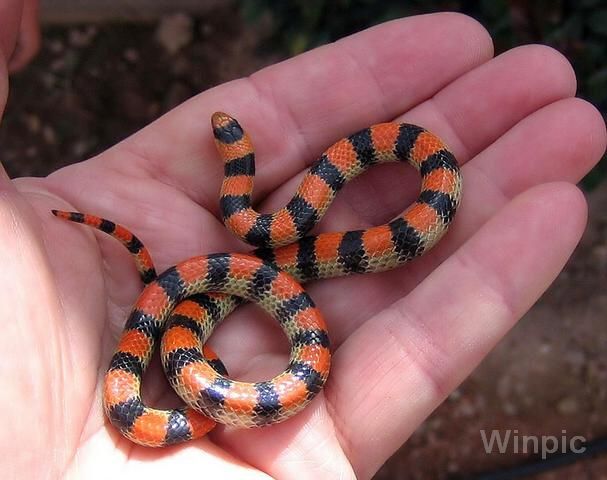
(180, 308)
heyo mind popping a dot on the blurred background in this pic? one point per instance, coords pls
(106, 69)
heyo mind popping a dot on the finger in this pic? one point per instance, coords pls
(486, 102)
(415, 352)
(296, 108)
(561, 141)
(34, 349)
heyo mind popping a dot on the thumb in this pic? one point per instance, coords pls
(31, 342)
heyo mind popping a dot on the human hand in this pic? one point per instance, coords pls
(402, 339)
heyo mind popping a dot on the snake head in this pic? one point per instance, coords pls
(226, 129)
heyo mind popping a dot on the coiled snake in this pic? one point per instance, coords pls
(183, 305)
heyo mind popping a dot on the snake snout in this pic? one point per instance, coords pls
(219, 119)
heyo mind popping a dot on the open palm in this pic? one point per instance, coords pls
(402, 340)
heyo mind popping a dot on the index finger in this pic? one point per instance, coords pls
(295, 109)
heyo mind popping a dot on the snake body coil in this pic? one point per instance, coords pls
(184, 304)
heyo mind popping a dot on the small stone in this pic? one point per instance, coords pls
(175, 32)
(55, 45)
(435, 423)
(49, 81)
(509, 409)
(545, 348)
(57, 65)
(31, 151)
(131, 55)
(466, 409)
(576, 358)
(504, 386)
(33, 122)
(600, 252)
(79, 148)
(49, 135)
(82, 37)
(206, 29)
(568, 406)
(455, 395)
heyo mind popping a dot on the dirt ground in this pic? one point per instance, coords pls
(93, 85)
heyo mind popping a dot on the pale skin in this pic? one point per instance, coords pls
(402, 340)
